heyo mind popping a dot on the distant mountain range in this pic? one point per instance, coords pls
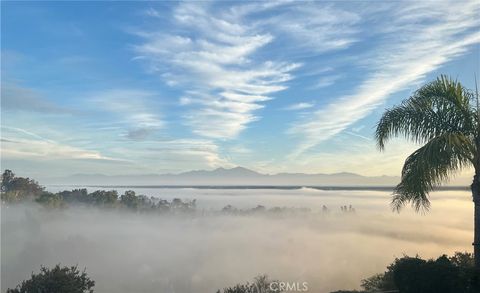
(238, 176)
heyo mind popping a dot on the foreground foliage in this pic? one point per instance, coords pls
(17, 189)
(56, 280)
(455, 274)
(260, 284)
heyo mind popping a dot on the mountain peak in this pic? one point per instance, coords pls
(345, 174)
(235, 171)
(238, 176)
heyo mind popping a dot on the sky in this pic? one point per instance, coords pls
(144, 87)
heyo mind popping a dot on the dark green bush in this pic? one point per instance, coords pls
(454, 274)
(56, 280)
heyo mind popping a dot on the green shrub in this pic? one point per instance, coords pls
(56, 280)
(455, 274)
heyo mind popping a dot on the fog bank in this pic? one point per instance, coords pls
(127, 252)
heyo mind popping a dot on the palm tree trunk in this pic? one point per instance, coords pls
(476, 200)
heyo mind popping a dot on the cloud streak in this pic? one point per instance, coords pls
(225, 83)
(299, 106)
(203, 152)
(420, 39)
(27, 145)
(133, 108)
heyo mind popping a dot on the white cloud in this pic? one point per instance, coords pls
(225, 84)
(421, 37)
(152, 12)
(186, 154)
(299, 106)
(359, 136)
(326, 81)
(316, 28)
(220, 56)
(133, 108)
(22, 144)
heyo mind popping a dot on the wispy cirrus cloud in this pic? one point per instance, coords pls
(325, 81)
(315, 28)
(174, 155)
(216, 53)
(418, 38)
(225, 83)
(133, 110)
(202, 152)
(19, 143)
(299, 106)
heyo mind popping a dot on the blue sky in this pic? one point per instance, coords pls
(156, 87)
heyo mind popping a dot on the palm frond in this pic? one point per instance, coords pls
(440, 107)
(429, 166)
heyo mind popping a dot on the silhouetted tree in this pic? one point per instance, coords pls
(259, 208)
(15, 189)
(104, 197)
(179, 206)
(129, 199)
(144, 203)
(445, 116)
(7, 178)
(456, 274)
(261, 284)
(163, 206)
(379, 283)
(51, 200)
(56, 280)
(75, 195)
(412, 274)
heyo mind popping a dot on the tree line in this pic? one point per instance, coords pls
(18, 189)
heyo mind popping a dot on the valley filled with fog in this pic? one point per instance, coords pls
(207, 250)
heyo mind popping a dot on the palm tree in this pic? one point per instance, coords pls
(444, 117)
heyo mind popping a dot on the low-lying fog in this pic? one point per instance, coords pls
(127, 252)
